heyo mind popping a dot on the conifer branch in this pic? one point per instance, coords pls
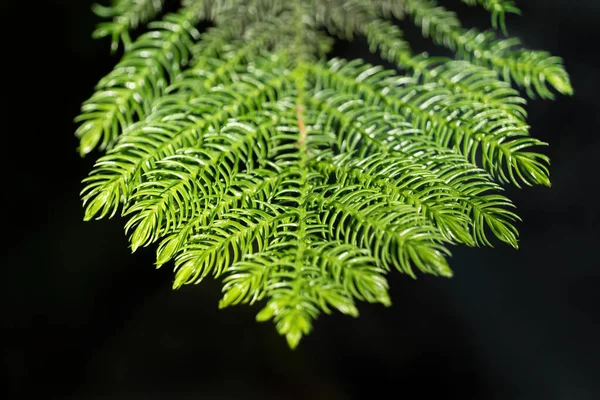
(478, 83)
(243, 155)
(126, 15)
(126, 93)
(532, 70)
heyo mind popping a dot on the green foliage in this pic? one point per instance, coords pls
(533, 70)
(244, 154)
(126, 15)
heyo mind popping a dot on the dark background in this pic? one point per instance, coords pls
(86, 319)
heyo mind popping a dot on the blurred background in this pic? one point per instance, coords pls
(84, 318)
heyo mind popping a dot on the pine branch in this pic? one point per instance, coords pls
(480, 132)
(116, 174)
(126, 93)
(478, 83)
(532, 70)
(301, 183)
(126, 15)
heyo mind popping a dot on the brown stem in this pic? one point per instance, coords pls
(301, 127)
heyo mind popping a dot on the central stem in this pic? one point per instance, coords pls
(301, 126)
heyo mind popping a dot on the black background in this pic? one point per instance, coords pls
(86, 319)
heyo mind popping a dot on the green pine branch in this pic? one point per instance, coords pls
(126, 15)
(127, 92)
(536, 71)
(242, 154)
(478, 83)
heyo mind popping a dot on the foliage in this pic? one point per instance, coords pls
(246, 155)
